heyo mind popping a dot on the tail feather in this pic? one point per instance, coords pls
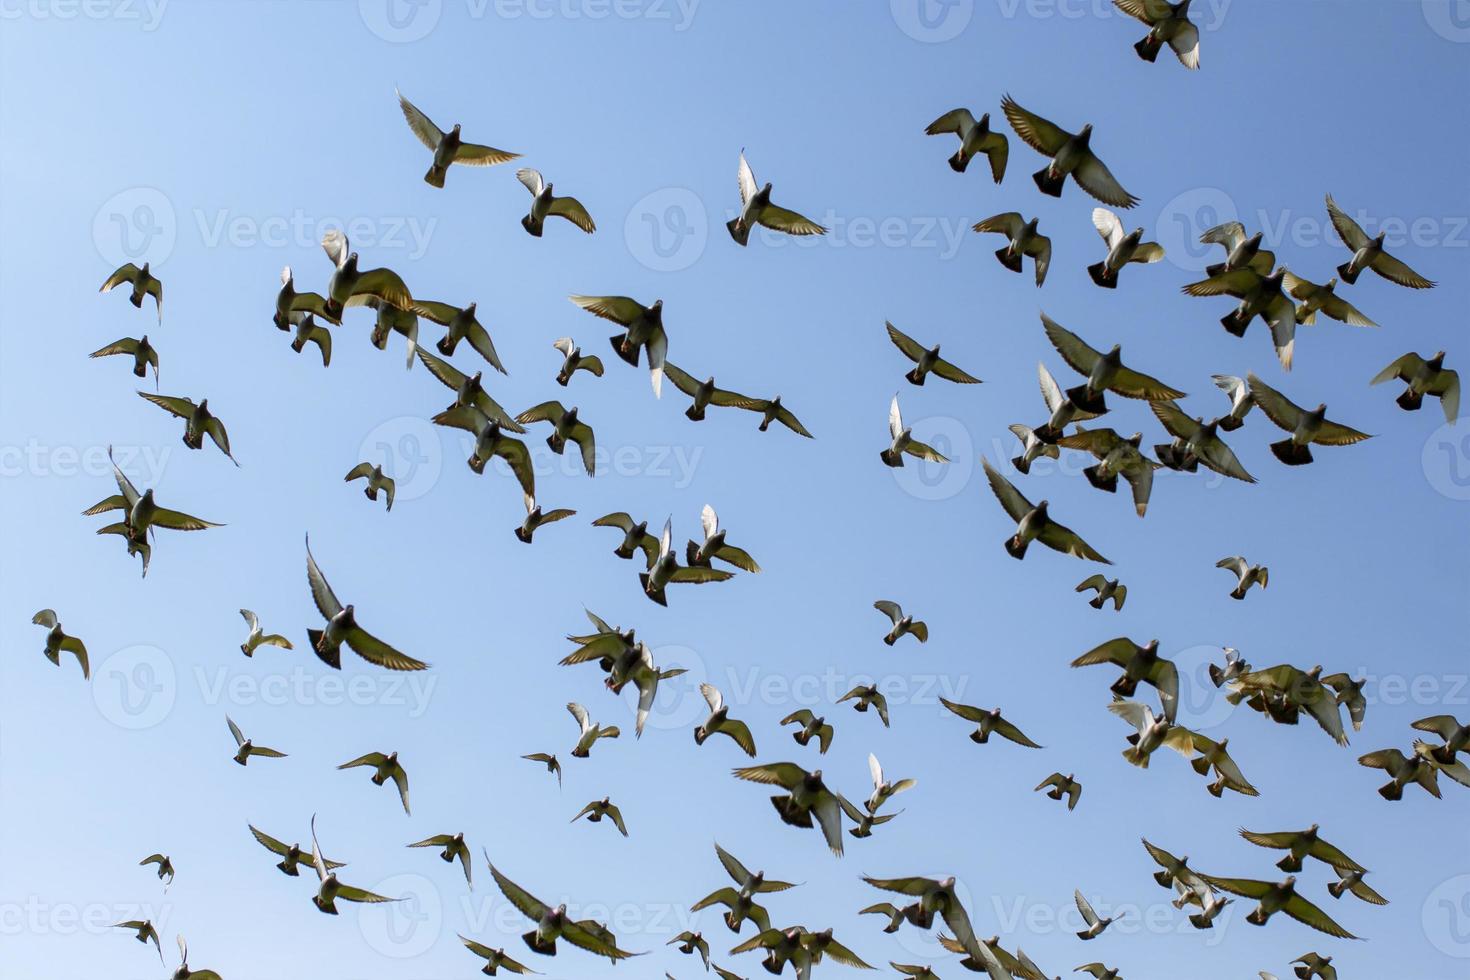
(1108, 483)
(959, 162)
(1016, 549)
(435, 176)
(1096, 404)
(1099, 273)
(1047, 183)
(891, 458)
(1234, 323)
(1410, 400)
(533, 227)
(1021, 464)
(1346, 273)
(1011, 260)
(1148, 49)
(738, 231)
(1290, 453)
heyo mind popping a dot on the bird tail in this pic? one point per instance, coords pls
(1214, 269)
(1148, 48)
(694, 413)
(1217, 788)
(1391, 791)
(523, 535)
(1256, 918)
(556, 443)
(1345, 271)
(959, 162)
(446, 345)
(1201, 765)
(1049, 185)
(1021, 465)
(1336, 888)
(1290, 453)
(1011, 260)
(1302, 972)
(1088, 403)
(435, 176)
(1217, 676)
(1099, 273)
(1234, 323)
(915, 378)
(1306, 317)
(1164, 879)
(891, 458)
(546, 947)
(1095, 602)
(630, 354)
(531, 226)
(739, 230)
(289, 869)
(1410, 400)
(1133, 755)
(298, 344)
(332, 658)
(657, 595)
(1016, 549)
(1290, 864)
(1200, 921)
(1108, 483)
(1230, 423)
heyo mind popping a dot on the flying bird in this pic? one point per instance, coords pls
(490, 442)
(1368, 253)
(705, 393)
(1235, 667)
(1456, 737)
(1169, 24)
(141, 514)
(469, 391)
(1242, 251)
(549, 761)
(552, 923)
(1402, 770)
(1123, 247)
(700, 554)
(976, 138)
(771, 410)
(536, 518)
(58, 641)
(545, 204)
(1424, 377)
(377, 481)
(805, 797)
(756, 209)
(164, 868)
(1022, 239)
(451, 846)
(1322, 299)
(145, 933)
(309, 331)
(1116, 456)
(1042, 440)
(1279, 897)
(1245, 574)
(1034, 523)
(351, 286)
(573, 360)
(1306, 426)
(1241, 401)
(1099, 971)
(643, 328)
(809, 726)
(342, 628)
(460, 323)
(690, 943)
(1302, 844)
(933, 896)
(1259, 295)
(1094, 923)
(666, 570)
(1214, 755)
(1058, 786)
(1106, 589)
(1070, 153)
(864, 696)
(143, 281)
(198, 420)
(926, 360)
(1283, 691)
(183, 972)
(1104, 372)
(1196, 441)
(903, 625)
(293, 307)
(245, 748)
(257, 637)
(330, 890)
(635, 536)
(597, 809)
(588, 732)
(1352, 881)
(495, 959)
(566, 426)
(884, 789)
(448, 148)
(739, 900)
(988, 722)
(385, 767)
(142, 352)
(1151, 732)
(864, 819)
(291, 855)
(719, 722)
(902, 442)
(1314, 965)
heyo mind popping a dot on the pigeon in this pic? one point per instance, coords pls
(460, 323)
(143, 353)
(1152, 733)
(536, 518)
(801, 948)
(1456, 737)
(309, 331)
(666, 570)
(1301, 844)
(1176, 870)
(884, 789)
(690, 943)
(1063, 413)
(1241, 401)
(1033, 447)
(994, 960)
(1058, 786)
(633, 662)
(495, 959)
(771, 410)
(1245, 574)
(714, 547)
(988, 722)
(342, 628)
(350, 286)
(902, 442)
(291, 855)
(385, 767)
(183, 972)
(864, 819)
(1322, 299)
(719, 722)
(644, 329)
(293, 307)
(933, 896)
(756, 209)
(1424, 377)
(1259, 295)
(1402, 770)
(810, 726)
(1241, 251)
(573, 360)
(258, 638)
(452, 846)
(1139, 663)
(1210, 904)
(597, 809)
(490, 442)
(245, 748)
(145, 933)
(1235, 666)
(1352, 881)
(589, 731)
(1106, 589)
(1368, 253)
(914, 970)
(390, 320)
(1022, 239)
(552, 924)
(198, 420)
(926, 360)
(635, 536)
(976, 138)
(58, 641)
(863, 696)
(1284, 690)
(1313, 965)
(1116, 457)
(903, 625)
(468, 391)
(1123, 247)
(1095, 925)
(705, 393)
(330, 890)
(447, 147)
(376, 481)
(1196, 441)
(143, 281)
(893, 912)
(165, 867)
(1099, 971)
(1034, 523)
(1070, 153)
(739, 900)
(1169, 24)
(1214, 755)
(805, 797)
(141, 514)
(565, 426)
(549, 760)
(546, 204)
(1279, 897)
(1306, 427)
(1104, 372)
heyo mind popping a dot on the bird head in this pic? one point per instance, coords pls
(1151, 648)
(1134, 237)
(145, 267)
(1032, 225)
(1254, 242)
(1085, 135)
(1042, 507)
(392, 756)
(203, 404)
(1436, 362)
(1135, 440)
(147, 496)
(1382, 235)
(558, 914)
(455, 130)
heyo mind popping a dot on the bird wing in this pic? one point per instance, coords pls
(745, 178)
(518, 457)
(966, 711)
(784, 219)
(1395, 270)
(440, 313)
(1042, 135)
(384, 285)
(356, 473)
(479, 339)
(528, 905)
(1093, 176)
(375, 651)
(1278, 407)
(1059, 537)
(911, 348)
(1039, 248)
(700, 576)
(216, 430)
(181, 407)
(1323, 851)
(127, 345)
(1340, 309)
(533, 182)
(572, 209)
(1308, 914)
(950, 372)
(681, 379)
(1134, 384)
(447, 373)
(1120, 651)
(829, 817)
(1349, 230)
(370, 759)
(421, 125)
(1237, 283)
(1403, 368)
(127, 272)
(480, 155)
(1007, 223)
(1007, 730)
(1074, 349)
(1083, 906)
(1014, 502)
(321, 593)
(235, 731)
(787, 775)
(544, 412)
(268, 842)
(1337, 434)
(176, 520)
(957, 121)
(1108, 226)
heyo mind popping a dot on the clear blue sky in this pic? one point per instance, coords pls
(220, 139)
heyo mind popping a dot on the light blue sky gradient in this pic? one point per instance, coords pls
(221, 139)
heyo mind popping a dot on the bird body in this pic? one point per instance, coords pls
(58, 641)
(1246, 575)
(1306, 426)
(448, 148)
(976, 138)
(1022, 239)
(1124, 247)
(1106, 589)
(1423, 377)
(143, 353)
(756, 209)
(1071, 155)
(377, 481)
(385, 766)
(142, 280)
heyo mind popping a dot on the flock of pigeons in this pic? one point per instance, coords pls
(802, 797)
